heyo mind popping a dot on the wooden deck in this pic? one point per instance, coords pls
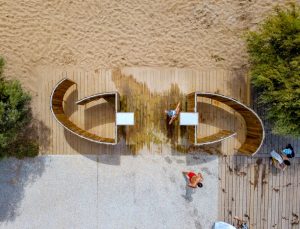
(254, 190)
(147, 92)
(249, 187)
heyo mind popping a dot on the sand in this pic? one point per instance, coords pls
(110, 33)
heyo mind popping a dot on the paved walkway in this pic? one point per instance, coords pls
(107, 191)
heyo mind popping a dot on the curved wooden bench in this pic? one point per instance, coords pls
(215, 138)
(255, 133)
(56, 107)
(108, 96)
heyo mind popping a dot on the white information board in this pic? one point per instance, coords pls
(125, 119)
(188, 118)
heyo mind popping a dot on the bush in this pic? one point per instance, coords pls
(274, 52)
(15, 120)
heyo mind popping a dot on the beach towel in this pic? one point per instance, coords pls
(223, 225)
(276, 156)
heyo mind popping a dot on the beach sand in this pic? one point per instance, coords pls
(95, 34)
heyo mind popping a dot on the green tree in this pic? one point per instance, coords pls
(15, 119)
(274, 52)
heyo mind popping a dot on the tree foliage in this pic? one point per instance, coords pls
(274, 52)
(15, 119)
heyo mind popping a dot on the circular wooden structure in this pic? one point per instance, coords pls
(57, 109)
(255, 133)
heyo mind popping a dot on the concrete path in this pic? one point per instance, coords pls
(145, 191)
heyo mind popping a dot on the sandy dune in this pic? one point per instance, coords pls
(109, 33)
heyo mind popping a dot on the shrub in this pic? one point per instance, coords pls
(274, 53)
(15, 119)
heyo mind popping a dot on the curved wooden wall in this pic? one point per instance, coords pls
(56, 107)
(255, 133)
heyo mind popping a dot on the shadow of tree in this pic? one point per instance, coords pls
(272, 141)
(38, 131)
(31, 139)
(15, 175)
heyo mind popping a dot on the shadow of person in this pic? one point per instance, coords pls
(188, 190)
(170, 129)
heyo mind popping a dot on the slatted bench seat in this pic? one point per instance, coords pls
(255, 133)
(108, 96)
(218, 137)
(56, 107)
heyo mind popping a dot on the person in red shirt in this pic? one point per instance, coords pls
(194, 179)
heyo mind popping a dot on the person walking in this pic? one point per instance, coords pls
(195, 180)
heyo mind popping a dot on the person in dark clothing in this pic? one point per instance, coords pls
(289, 151)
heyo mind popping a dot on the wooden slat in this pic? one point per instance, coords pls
(221, 135)
(254, 127)
(155, 83)
(270, 198)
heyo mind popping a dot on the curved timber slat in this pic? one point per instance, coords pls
(108, 96)
(215, 138)
(255, 133)
(56, 107)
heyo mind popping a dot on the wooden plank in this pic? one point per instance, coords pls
(252, 196)
(231, 190)
(259, 212)
(265, 189)
(233, 197)
(286, 202)
(241, 187)
(219, 136)
(296, 205)
(57, 136)
(276, 191)
(227, 194)
(282, 194)
(221, 188)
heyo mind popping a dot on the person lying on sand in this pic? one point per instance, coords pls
(194, 179)
(173, 114)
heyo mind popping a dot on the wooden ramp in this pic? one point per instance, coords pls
(145, 91)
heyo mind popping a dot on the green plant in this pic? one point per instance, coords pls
(15, 119)
(274, 53)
